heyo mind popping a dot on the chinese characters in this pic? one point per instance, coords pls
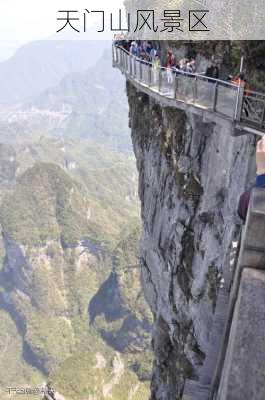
(172, 21)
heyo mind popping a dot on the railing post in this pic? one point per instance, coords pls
(126, 62)
(175, 86)
(116, 55)
(160, 80)
(215, 96)
(263, 117)
(239, 103)
(122, 61)
(130, 65)
(149, 75)
(113, 57)
(195, 90)
(141, 71)
(134, 66)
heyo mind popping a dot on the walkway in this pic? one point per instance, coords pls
(213, 98)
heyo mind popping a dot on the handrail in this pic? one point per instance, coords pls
(255, 93)
(232, 302)
(181, 86)
(191, 74)
(244, 108)
(198, 74)
(251, 255)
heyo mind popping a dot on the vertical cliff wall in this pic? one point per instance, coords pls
(191, 174)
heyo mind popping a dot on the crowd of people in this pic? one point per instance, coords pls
(150, 52)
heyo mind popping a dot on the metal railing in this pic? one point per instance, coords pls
(250, 255)
(208, 93)
(235, 283)
(253, 109)
(224, 98)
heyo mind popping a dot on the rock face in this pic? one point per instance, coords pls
(191, 174)
(118, 310)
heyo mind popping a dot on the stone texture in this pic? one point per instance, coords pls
(191, 174)
(253, 247)
(244, 372)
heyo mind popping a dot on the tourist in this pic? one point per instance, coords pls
(260, 179)
(134, 49)
(239, 80)
(169, 65)
(193, 65)
(144, 45)
(212, 72)
(176, 67)
(153, 54)
(209, 71)
(215, 73)
(117, 40)
(156, 69)
(148, 48)
(189, 68)
(183, 65)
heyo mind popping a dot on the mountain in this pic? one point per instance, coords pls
(71, 300)
(85, 102)
(42, 64)
(82, 105)
(8, 48)
(54, 270)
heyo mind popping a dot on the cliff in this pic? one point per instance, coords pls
(191, 174)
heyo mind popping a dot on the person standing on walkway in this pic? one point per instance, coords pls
(156, 69)
(215, 73)
(153, 54)
(193, 66)
(260, 180)
(239, 80)
(170, 64)
(189, 68)
(134, 49)
(209, 71)
(183, 65)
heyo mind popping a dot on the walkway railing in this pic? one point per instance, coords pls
(221, 97)
(253, 110)
(251, 258)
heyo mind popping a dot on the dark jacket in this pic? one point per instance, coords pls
(215, 73)
(244, 198)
